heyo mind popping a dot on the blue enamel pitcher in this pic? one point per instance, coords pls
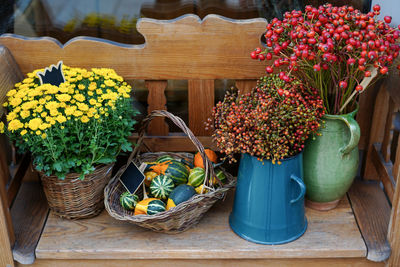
(269, 200)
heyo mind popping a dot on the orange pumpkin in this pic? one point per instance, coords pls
(198, 159)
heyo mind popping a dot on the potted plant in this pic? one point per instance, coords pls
(268, 127)
(74, 132)
(338, 51)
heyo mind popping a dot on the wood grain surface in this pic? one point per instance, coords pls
(183, 48)
(9, 74)
(372, 211)
(157, 101)
(200, 101)
(384, 170)
(29, 214)
(245, 86)
(6, 258)
(338, 262)
(332, 234)
(174, 143)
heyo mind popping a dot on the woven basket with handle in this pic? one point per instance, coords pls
(184, 215)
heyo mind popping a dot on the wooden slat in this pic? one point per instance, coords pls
(6, 209)
(9, 75)
(201, 98)
(174, 143)
(157, 101)
(394, 229)
(6, 258)
(372, 212)
(385, 148)
(20, 172)
(384, 170)
(376, 134)
(331, 234)
(364, 115)
(396, 164)
(337, 262)
(183, 48)
(245, 86)
(29, 214)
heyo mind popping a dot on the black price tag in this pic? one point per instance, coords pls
(133, 177)
(52, 75)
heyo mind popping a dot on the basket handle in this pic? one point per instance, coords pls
(209, 169)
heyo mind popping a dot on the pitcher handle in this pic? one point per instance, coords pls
(354, 133)
(302, 188)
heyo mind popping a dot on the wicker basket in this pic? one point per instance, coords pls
(181, 217)
(74, 198)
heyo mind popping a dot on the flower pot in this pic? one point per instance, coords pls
(74, 198)
(269, 201)
(331, 161)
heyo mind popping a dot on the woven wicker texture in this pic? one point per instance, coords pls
(73, 198)
(181, 217)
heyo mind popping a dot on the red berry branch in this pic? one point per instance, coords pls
(272, 122)
(332, 49)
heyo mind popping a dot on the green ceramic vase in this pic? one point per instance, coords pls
(331, 160)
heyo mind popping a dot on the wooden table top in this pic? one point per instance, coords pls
(332, 234)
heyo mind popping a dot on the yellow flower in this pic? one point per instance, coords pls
(44, 136)
(52, 105)
(109, 83)
(11, 116)
(96, 116)
(92, 86)
(23, 132)
(1, 127)
(11, 92)
(44, 126)
(78, 113)
(83, 106)
(27, 80)
(79, 97)
(15, 125)
(25, 114)
(35, 123)
(43, 114)
(84, 119)
(99, 91)
(15, 102)
(63, 97)
(81, 86)
(42, 101)
(90, 93)
(61, 119)
(38, 132)
(70, 110)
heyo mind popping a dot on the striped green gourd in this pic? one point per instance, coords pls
(196, 176)
(164, 158)
(155, 206)
(161, 186)
(178, 172)
(221, 176)
(128, 201)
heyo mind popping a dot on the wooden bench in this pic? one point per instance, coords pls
(354, 234)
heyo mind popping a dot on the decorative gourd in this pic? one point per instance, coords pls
(164, 158)
(149, 206)
(149, 176)
(198, 159)
(196, 176)
(128, 201)
(221, 176)
(187, 163)
(180, 194)
(160, 168)
(199, 189)
(161, 186)
(178, 172)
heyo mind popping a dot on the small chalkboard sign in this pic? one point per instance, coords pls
(132, 178)
(52, 75)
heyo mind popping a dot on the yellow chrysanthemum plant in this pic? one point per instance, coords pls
(73, 127)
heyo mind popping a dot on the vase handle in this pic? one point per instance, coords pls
(302, 188)
(354, 133)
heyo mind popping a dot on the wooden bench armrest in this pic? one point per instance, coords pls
(372, 211)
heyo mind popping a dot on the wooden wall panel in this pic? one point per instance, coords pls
(157, 101)
(183, 48)
(245, 86)
(201, 101)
